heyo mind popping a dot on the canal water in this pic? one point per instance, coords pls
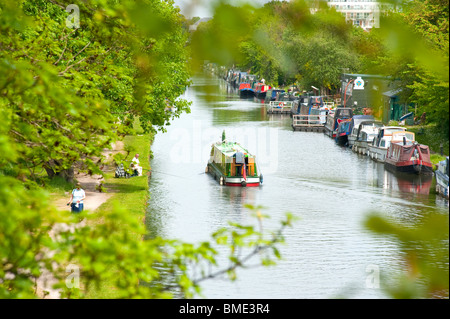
(328, 252)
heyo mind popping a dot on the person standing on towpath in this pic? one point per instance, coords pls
(76, 199)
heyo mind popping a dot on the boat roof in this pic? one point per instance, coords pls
(230, 148)
(391, 129)
(404, 133)
(357, 119)
(400, 128)
(371, 123)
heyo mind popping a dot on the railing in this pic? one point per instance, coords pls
(280, 106)
(307, 120)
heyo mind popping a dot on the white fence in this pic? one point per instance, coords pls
(307, 120)
(280, 107)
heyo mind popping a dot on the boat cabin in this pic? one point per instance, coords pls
(368, 130)
(271, 94)
(335, 117)
(261, 89)
(231, 164)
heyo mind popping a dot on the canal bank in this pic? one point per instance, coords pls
(131, 196)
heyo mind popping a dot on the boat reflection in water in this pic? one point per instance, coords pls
(402, 183)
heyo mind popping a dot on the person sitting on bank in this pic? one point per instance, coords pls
(76, 199)
(135, 165)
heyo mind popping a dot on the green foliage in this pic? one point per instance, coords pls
(424, 247)
(282, 42)
(409, 38)
(68, 93)
(26, 219)
(156, 267)
(433, 136)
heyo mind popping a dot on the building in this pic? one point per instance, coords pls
(379, 93)
(362, 13)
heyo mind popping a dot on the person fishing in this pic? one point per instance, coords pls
(76, 199)
(135, 165)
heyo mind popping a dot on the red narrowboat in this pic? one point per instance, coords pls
(409, 157)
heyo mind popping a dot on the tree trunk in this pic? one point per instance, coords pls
(68, 174)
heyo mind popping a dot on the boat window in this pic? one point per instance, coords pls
(345, 113)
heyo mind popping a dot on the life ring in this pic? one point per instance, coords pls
(280, 104)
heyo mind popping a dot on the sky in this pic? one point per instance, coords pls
(202, 8)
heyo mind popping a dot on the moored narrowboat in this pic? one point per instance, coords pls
(356, 120)
(232, 165)
(261, 90)
(409, 158)
(442, 178)
(335, 117)
(245, 90)
(343, 131)
(367, 131)
(271, 94)
(387, 135)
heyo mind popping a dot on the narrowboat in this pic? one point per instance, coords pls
(408, 158)
(304, 104)
(367, 131)
(386, 135)
(245, 90)
(312, 109)
(334, 117)
(261, 90)
(356, 120)
(442, 179)
(343, 131)
(232, 165)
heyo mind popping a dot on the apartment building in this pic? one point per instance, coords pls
(363, 13)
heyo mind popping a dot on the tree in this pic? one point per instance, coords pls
(416, 42)
(70, 92)
(282, 42)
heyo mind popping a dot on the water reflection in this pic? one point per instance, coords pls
(403, 184)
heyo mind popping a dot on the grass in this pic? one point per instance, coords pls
(131, 194)
(57, 185)
(436, 158)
